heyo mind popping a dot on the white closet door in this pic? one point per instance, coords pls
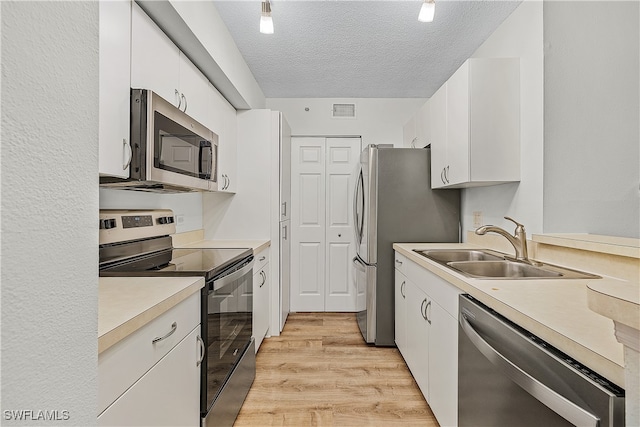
(308, 224)
(342, 155)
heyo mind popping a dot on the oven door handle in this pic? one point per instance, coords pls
(554, 401)
(225, 280)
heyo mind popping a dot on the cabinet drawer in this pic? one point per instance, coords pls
(400, 262)
(167, 395)
(123, 364)
(261, 259)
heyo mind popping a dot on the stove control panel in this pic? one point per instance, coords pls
(126, 225)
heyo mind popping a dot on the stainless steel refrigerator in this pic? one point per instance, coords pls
(394, 202)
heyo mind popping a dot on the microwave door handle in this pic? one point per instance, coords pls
(554, 401)
(205, 170)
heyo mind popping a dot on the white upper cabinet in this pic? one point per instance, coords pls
(155, 60)
(114, 82)
(158, 64)
(409, 133)
(438, 112)
(225, 124)
(195, 92)
(475, 125)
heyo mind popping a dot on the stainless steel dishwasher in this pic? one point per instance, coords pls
(509, 377)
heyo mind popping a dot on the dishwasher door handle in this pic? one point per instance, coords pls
(554, 401)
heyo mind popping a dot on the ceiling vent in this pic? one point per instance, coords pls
(343, 111)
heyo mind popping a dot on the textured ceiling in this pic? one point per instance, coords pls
(359, 49)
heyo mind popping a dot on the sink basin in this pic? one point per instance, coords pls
(453, 255)
(488, 264)
(502, 269)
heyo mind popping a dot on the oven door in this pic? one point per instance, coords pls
(227, 328)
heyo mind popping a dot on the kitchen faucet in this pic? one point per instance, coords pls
(518, 240)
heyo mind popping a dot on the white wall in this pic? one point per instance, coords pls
(592, 117)
(378, 120)
(187, 207)
(520, 35)
(50, 210)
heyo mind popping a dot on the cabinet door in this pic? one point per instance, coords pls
(284, 135)
(115, 83)
(400, 312)
(417, 354)
(458, 126)
(195, 95)
(438, 112)
(167, 395)
(409, 133)
(224, 123)
(155, 60)
(260, 305)
(443, 366)
(285, 272)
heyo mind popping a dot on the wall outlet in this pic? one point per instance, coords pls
(179, 219)
(477, 218)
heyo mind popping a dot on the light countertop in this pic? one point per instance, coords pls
(617, 301)
(556, 310)
(125, 304)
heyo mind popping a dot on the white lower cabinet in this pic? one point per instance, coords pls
(417, 332)
(152, 377)
(401, 307)
(261, 297)
(167, 395)
(427, 336)
(443, 365)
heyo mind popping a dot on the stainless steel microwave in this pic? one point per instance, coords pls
(171, 152)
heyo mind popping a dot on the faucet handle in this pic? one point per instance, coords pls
(518, 225)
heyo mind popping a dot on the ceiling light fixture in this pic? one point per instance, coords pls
(427, 11)
(266, 22)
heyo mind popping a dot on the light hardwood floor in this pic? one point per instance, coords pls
(319, 372)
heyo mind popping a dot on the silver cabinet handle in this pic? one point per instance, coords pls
(185, 102)
(446, 174)
(422, 309)
(126, 147)
(284, 235)
(174, 326)
(398, 262)
(283, 210)
(402, 289)
(264, 278)
(262, 258)
(228, 181)
(178, 97)
(203, 350)
(442, 176)
(426, 312)
(554, 401)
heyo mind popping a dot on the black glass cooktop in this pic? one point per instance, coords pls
(180, 262)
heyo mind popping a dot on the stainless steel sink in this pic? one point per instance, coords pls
(487, 264)
(502, 269)
(453, 255)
